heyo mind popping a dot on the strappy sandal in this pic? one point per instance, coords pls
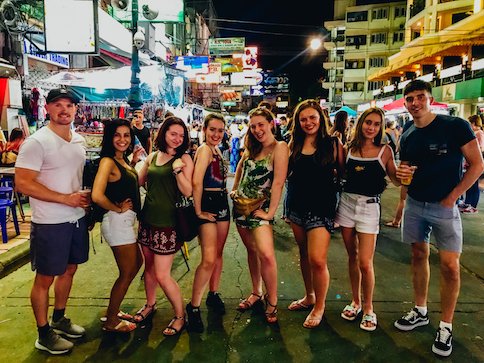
(369, 319)
(122, 327)
(139, 317)
(350, 312)
(170, 330)
(247, 305)
(271, 317)
(122, 315)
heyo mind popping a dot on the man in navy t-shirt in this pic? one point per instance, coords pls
(432, 149)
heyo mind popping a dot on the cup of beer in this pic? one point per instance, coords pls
(407, 181)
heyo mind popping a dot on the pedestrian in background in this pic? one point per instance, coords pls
(340, 127)
(116, 191)
(141, 131)
(315, 157)
(260, 177)
(49, 170)
(436, 145)
(368, 162)
(212, 208)
(165, 173)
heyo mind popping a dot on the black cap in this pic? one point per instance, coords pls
(57, 93)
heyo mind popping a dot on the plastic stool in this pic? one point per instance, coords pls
(4, 204)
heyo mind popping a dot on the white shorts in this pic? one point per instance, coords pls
(118, 228)
(359, 212)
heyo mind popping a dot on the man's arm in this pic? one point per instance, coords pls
(473, 156)
(26, 183)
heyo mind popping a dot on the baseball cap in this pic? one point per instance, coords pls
(57, 93)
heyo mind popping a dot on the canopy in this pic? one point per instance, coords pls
(350, 111)
(399, 105)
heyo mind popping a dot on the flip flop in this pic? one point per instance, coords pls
(368, 318)
(122, 315)
(392, 224)
(311, 318)
(298, 305)
(122, 327)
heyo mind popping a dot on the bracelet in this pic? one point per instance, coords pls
(176, 172)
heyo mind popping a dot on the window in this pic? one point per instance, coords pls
(375, 85)
(377, 62)
(398, 37)
(380, 13)
(357, 16)
(379, 38)
(354, 64)
(400, 12)
(356, 40)
(354, 86)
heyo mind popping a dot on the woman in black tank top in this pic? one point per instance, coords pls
(315, 158)
(116, 191)
(367, 164)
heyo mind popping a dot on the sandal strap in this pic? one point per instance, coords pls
(146, 307)
(369, 318)
(350, 308)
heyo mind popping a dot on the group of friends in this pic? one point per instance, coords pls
(313, 163)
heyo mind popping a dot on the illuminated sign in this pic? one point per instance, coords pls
(249, 58)
(226, 46)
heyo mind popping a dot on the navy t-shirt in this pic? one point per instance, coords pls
(435, 150)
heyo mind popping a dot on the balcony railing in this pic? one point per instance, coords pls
(416, 7)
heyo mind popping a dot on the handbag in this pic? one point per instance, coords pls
(187, 222)
(245, 206)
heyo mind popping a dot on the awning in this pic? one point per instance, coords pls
(349, 110)
(113, 59)
(399, 104)
(452, 41)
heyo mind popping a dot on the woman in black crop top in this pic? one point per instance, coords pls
(367, 164)
(116, 191)
(315, 157)
(212, 208)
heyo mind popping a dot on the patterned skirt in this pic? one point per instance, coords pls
(160, 240)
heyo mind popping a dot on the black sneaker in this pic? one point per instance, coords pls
(443, 342)
(195, 323)
(53, 343)
(412, 320)
(215, 302)
(66, 328)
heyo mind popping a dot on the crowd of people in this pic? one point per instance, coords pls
(332, 176)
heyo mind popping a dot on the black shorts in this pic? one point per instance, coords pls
(54, 246)
(216, 202)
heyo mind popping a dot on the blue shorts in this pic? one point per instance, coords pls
(421, 218)
(309, 220)
(54, 246)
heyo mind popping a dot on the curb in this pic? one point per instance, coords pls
(12, 256)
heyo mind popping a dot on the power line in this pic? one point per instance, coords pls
(263, 32)
(266, 23)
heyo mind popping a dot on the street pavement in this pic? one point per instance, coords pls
(245, 337)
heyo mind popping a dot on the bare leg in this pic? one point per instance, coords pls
(39, 297)
(420, 272)
(149, 276)
(449, 283)
(367, 244)
(401, 205)
(129, 260)
(351, 244)
(302, 243)
(222, 232)
(62, 287)
(253, 261)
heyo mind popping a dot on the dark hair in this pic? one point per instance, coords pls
(16, 134)
(160, 140)
(324, 144)
(110, 127)
(211, 116)
(252, 145)
(357, 140)
(417, 85)
(265, 104)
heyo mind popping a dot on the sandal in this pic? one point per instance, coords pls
(122, 327)
(350, 312)
(122, 315)
(247, 305)
(148, 311)
(170, 330)
(271, 317)
(312, 321)
(392, 224)
(368, 319)
(298, 305)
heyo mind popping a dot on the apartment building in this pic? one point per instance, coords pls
(362, 39)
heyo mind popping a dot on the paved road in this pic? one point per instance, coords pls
(245, 337)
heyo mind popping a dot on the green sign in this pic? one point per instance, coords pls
(226, 46)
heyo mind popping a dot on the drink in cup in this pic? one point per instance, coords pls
(408, 180)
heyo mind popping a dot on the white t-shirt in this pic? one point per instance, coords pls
(60, 165)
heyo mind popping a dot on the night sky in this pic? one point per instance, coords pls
(296, 24)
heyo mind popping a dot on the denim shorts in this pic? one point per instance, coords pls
(54, 246)
(118, 228)
(359, 212)
(421, 218)
(310, 220)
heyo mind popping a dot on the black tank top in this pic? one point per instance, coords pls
(365, 176)
(125, 187)
(311, 187)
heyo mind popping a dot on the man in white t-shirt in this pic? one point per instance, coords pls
(49, 170)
